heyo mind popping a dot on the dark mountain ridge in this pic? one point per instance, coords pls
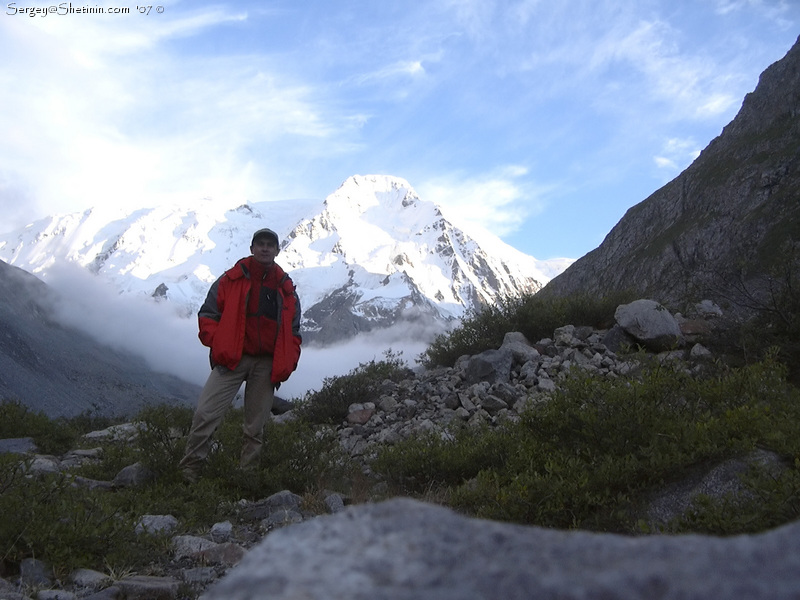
(60, 371)
(731, 215)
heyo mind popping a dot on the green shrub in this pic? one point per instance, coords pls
(161, 441)
(434, 458)
(362, 384)
(589, 455)
(301, 456)
(51, 436)
(65, 525)
(772, 500)
(533, 315)
(765, 305)
(478, 330)
(77, 527)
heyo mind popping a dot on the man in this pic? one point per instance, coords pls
(251, 322)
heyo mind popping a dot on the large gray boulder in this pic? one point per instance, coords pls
(408, 550)
(649, 323)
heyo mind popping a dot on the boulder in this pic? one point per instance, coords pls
(490, 365)
(404, 549)
(144, 587)
(133, 475)
(649, 323)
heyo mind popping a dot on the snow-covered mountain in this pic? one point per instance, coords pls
(369, 255)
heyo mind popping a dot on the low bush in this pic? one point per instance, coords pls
(65, 525)
(433, 459)
(161, 440)
(50, 436)
(73, 527)
(533, 315)
(765, 304)
(362, 384)
(587, 457)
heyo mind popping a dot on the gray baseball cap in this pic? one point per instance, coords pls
(266, 233)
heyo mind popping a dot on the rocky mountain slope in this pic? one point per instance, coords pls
(371, 254)
(61, 371)
(735, 209)
(395, 257)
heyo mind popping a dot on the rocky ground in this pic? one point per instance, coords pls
(485, 388)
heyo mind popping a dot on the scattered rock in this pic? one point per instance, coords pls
(489, 388)
(133, 475)
(89, 579)
(157, 524)
(23, 445)
(222, 532)
(122, 433)
(142, 587)
(35, 573)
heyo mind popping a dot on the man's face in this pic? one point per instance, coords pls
(264, 250)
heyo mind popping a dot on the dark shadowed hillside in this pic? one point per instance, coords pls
(63, 372)
(733, 212)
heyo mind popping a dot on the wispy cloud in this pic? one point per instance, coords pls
(246, 101)
(116, 115)
(498, 201)
(404, 68)
(676, 153)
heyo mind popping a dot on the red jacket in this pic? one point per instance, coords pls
(223, 316)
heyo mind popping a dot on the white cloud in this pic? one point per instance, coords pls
(774, 10)
(498, 201)
(716, 104)
(107, 112)
(404, 68)
(647, 61)
(475, 17)
(405, 341)
(169, 343)
(663, 162)
(137, 324)
(676, 154)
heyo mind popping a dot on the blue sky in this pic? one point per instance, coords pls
(541, 120)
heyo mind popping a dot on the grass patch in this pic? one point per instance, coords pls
(73, 527)
(51, 436)
(587, 457)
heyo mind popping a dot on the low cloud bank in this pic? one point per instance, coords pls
(168, 342)
(317, 363)
(137, 324)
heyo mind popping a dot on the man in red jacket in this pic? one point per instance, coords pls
(251, 322)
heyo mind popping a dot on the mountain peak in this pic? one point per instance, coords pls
(372, 254)
(359, 193)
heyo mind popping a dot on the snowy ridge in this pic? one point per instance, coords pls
(371, 254)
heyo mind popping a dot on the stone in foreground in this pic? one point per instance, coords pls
(407, 550)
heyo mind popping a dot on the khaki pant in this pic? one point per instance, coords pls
(215, 399)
